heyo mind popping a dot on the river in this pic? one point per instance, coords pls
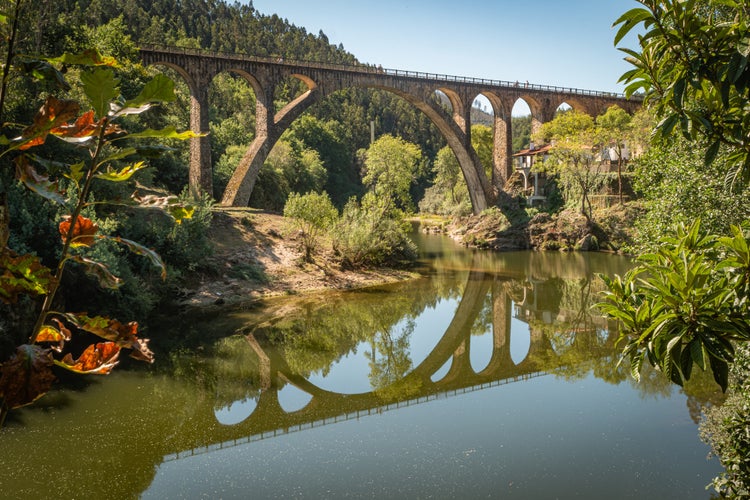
(491, 376)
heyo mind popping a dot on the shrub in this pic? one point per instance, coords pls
(311, 215)
(371, 235)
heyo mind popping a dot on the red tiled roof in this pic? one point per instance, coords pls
(535, 151)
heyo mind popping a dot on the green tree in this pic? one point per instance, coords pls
(448, 195)
(312, 214)
(612, 131)
(521, 131)
(482, 140)
(572, 157)
(692, 68)
(391, 166)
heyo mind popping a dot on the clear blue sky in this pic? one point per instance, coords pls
(568, 43)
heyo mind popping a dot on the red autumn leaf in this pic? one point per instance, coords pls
(26, 376)
(124, 335)
(97, 359)
(53, 113)
(83, 231)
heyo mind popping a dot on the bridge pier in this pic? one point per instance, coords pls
(200, 178)
(502, 152)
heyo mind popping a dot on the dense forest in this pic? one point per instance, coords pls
(319, 151)
(324, 151)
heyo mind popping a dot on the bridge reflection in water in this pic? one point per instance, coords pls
(563, 331)
(435, 348)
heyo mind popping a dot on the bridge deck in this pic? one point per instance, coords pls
(370, 69)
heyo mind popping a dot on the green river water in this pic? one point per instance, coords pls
(489, 377)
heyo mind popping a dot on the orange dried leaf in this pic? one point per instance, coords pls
(83, 231)
(124, 335)
(97, 359)
(56, 335)
(26, 376)
(53, 113)
(82, 129)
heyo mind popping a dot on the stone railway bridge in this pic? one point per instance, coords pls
(264, 74)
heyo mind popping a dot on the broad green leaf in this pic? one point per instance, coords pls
(101, 88)
(22, 274)
(119, 155)
(89, 57)
(76, 172)
(720, 370)
(123, 174)
(698, 353)
(165, 133)
(159, 89)
(629, 20)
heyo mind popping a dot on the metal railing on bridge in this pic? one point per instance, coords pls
(370, 69)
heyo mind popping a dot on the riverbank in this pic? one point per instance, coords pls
(256, 257)
(610, 229)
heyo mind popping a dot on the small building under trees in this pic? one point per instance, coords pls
(533, 180)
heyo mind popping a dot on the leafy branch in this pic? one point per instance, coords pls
(28, 373)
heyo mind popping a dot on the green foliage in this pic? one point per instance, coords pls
(612, 130)
(684, 304)
(521, 132)
(391, 166)
(224, 168)
(693, 69)
(448, 195)
(108, 157)
(312, 214)
(327, 138)
(290, 167)
(371, 234)
(725, 428)
(572, 158)
(483, 142)
(678, 187)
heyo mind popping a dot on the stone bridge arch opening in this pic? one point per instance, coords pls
(233, 97)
